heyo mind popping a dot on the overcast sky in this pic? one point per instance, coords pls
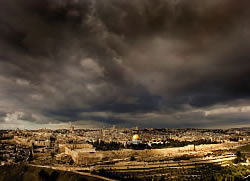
(150, 63)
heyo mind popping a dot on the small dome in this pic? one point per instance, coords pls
(136, 137)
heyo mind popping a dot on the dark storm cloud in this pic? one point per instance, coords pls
(117, 61)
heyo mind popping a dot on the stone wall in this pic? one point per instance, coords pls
(81, 156)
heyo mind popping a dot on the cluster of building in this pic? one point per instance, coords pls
(12, 153)
(22, 145)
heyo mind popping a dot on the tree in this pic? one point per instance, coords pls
(52, 154)
(239, 157)
(132, 158)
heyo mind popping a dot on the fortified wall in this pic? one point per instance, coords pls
(88, 153)
(194, 148)
(82, 153)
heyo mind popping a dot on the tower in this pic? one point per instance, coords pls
(71, 128)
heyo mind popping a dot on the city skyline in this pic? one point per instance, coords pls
(145, 63)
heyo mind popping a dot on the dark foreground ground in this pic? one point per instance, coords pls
(29, 173)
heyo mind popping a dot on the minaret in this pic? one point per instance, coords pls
(71, 128)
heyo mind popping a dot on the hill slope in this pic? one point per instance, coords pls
(29, 173)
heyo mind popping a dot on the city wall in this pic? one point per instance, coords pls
(83, 153)
(85, 156)
(190, 148)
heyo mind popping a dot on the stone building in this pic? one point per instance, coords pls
(82, 153)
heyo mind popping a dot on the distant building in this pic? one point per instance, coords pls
(82, 153)
(135, 140)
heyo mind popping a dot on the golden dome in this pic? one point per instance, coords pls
(135, 137)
